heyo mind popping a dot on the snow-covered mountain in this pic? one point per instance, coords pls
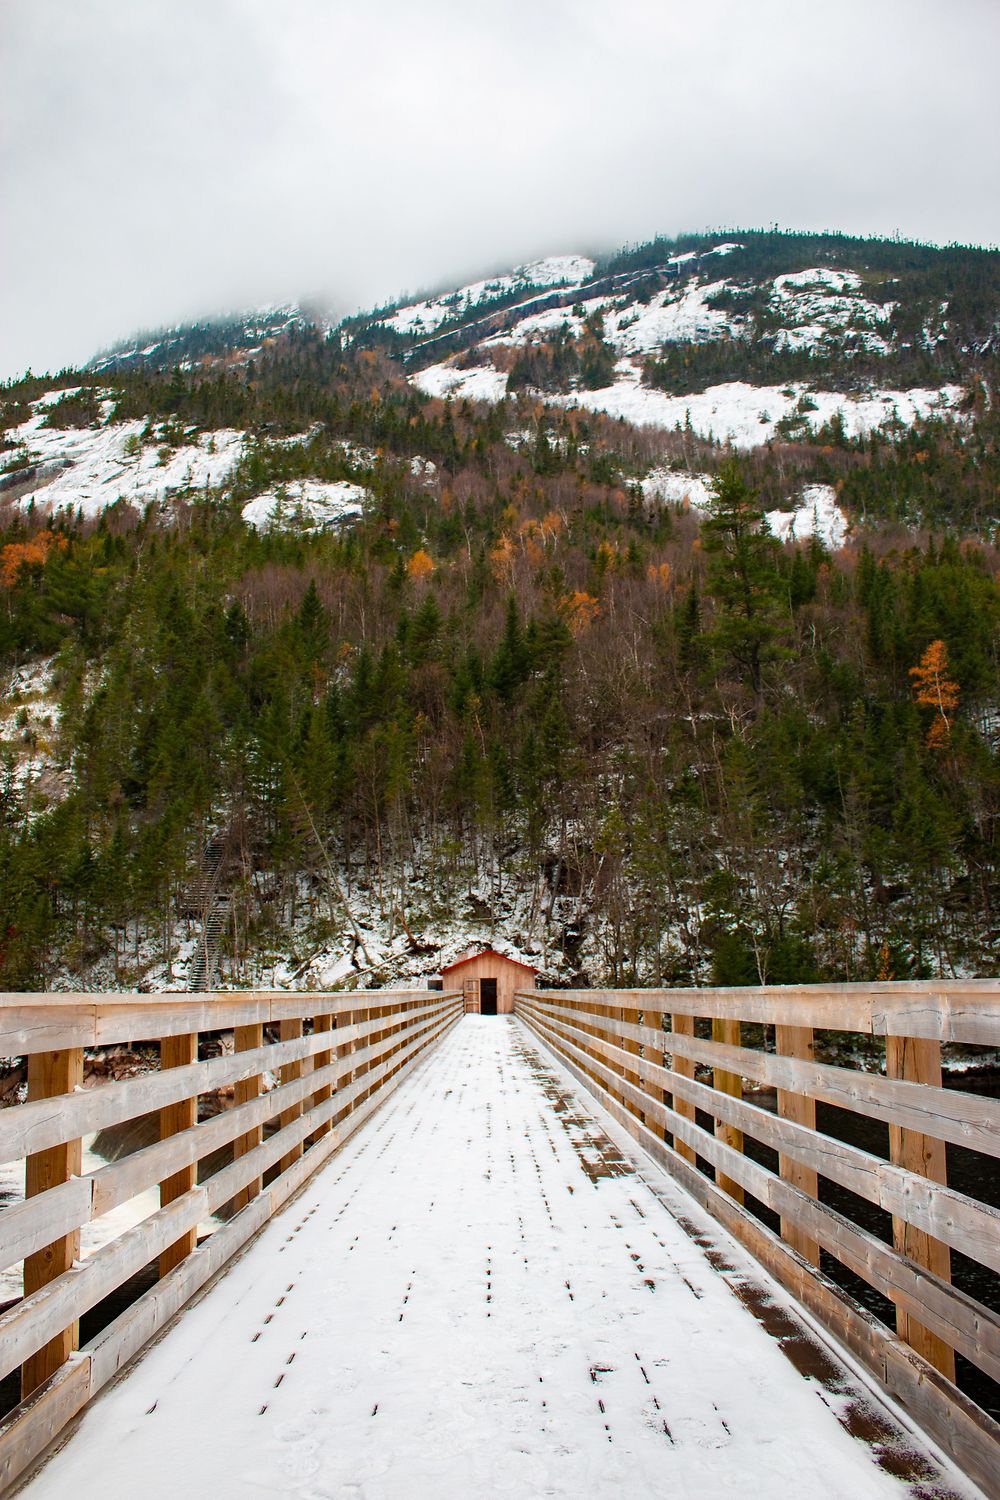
(820, 313)
(242, 334)
(741, 340)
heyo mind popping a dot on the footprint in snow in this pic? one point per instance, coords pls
(301, 1461)
(298, 1428)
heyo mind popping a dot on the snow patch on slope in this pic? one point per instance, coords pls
(669, 318)
(428, 315)
(29, 736)
(91, 468)
(306, 505)
(821, 305)
(747, 416)
(673, 487)
(481, 383)
(817, 514)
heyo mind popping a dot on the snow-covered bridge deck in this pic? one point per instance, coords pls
(480, 1295)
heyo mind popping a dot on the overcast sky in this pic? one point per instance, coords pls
(162, 159)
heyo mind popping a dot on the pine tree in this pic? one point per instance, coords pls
(742, 576)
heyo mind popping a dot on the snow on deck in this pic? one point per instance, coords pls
(481, 1296)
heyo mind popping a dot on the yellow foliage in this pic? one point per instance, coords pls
(420, 565)
(933, 688)
(660, 574)
(502, 557)
(17, 555)
(580, 610)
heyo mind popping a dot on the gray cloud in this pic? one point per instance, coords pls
(163, 159)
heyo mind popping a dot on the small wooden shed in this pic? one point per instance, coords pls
(488, 981)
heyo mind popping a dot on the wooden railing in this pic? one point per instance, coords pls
(638, 1052)
(336, 1057)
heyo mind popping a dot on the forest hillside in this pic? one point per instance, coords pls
(640, 615)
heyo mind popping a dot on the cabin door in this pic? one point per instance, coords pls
(487, 997)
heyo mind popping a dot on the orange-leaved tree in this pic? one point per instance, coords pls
(17, 555)
(933, 688)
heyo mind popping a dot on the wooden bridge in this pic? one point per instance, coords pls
(570, 1254)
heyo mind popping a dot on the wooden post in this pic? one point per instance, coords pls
(919, 1061)
(797, 1041)
(631, 1018)
(322, 1060)
(343, 1055)
(728, 1083)
(364, 1016)
(247, 1039)
(287, 1032)
(177, 1052)
(684, 1066)
(605, 1012)
(50, 1074)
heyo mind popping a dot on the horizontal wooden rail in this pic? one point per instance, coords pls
(963, 1119)
(963, 1222)
(339, 1056)
(638, 1050)
(964, 1010)
(46, 1122)
(48, 1023)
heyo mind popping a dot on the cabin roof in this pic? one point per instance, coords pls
(468, 958)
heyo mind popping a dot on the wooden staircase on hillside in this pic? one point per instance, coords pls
(204, 900)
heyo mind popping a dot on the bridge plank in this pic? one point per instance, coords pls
(31, 1225)
(33, 1322)
(963, 1119)
(32, 1127)
(27, 1431)
(959, 1220)
(962, 1429)
(961, 1321)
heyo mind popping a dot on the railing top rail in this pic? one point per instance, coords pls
(966, 1010)
(32, 1023)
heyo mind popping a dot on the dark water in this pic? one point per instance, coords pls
(970, 1172)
